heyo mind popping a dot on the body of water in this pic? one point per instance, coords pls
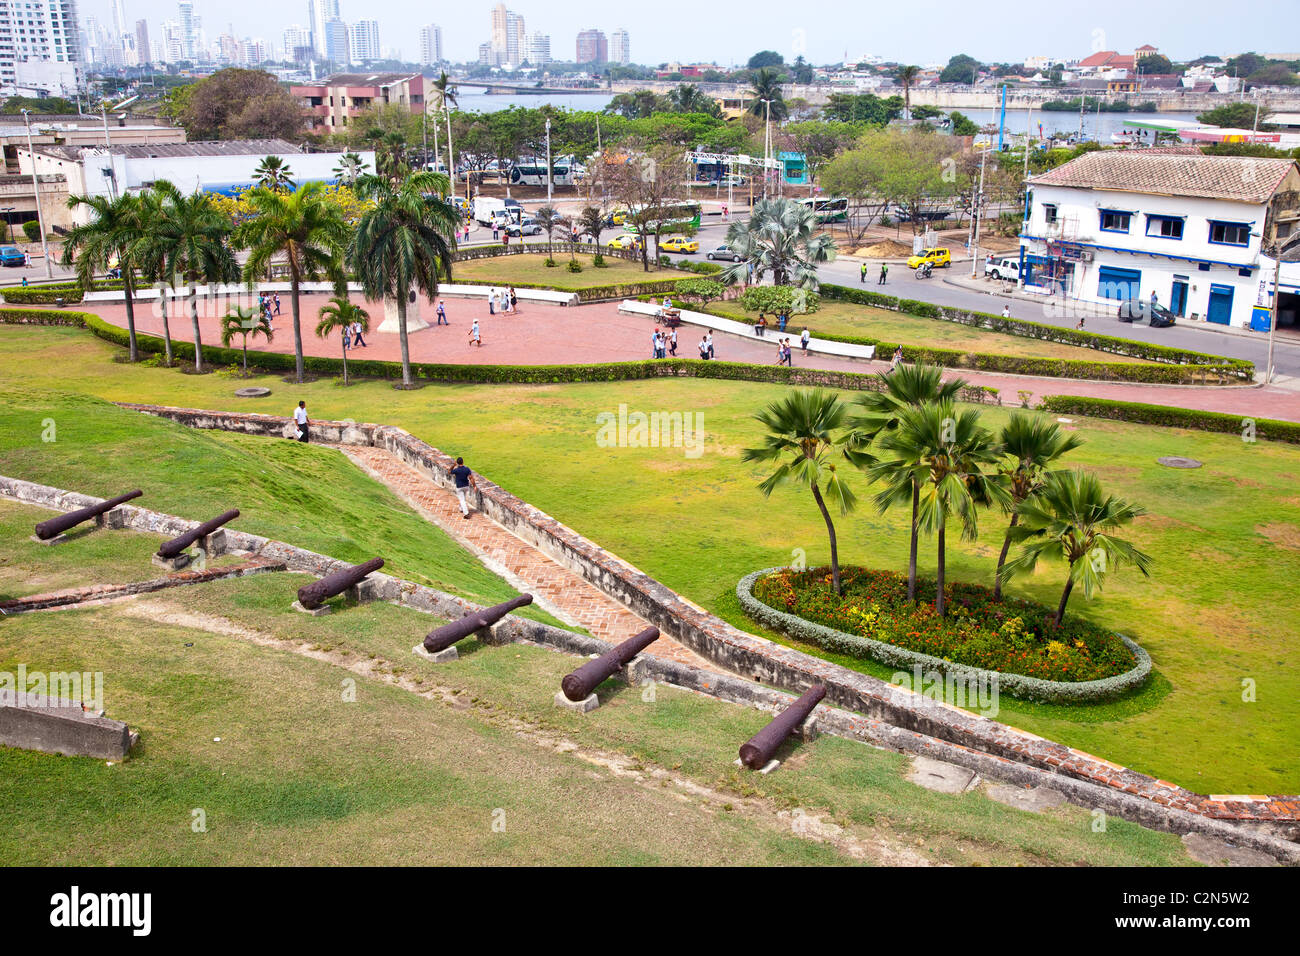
(1094, 125)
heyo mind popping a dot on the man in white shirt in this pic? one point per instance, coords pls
(492, 302)
(300, 419)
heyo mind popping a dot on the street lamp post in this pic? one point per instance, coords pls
(979, 201)
(549, 183)
(767, 143)
(36, 191)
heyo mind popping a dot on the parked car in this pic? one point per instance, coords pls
(11, 256)
(724, 252)
(626, 241)
(734, 180)
(1139, 310)
(1004, 268)
(679, 244)
(938, 257)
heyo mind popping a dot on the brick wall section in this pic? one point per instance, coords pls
(1206, 815)
(755, 657)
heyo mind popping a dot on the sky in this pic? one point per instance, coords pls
(822, 30)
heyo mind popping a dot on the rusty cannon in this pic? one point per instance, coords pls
(49, 531)
(756, 753)
(578, 687)
(438, 643)
(173, 550)
(312, 596)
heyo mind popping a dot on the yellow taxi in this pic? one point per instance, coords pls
(679, 244)
(625, 241)
(936, 257)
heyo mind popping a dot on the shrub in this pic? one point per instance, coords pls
(32, 230)
(550, 263)
(1172, 417)
(779, 299)
(701, 290)
(574, 265)
(598, 260)
(1011, 642)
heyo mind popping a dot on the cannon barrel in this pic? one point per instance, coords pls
(758, 750)
(578, 685)
(311, 596)
(169, 549)
(441, 638)
(55, 526)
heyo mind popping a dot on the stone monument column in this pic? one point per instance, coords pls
(413, 320)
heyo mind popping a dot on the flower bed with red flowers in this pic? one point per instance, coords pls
(1011, 636)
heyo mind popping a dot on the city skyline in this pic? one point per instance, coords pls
(824, 32)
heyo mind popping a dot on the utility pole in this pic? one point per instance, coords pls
(767, 143)
(549, 183)
(1029, 125)
(1272, 322)
(36, 191)
(979, 201)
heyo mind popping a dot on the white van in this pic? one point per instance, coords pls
(1006, 267)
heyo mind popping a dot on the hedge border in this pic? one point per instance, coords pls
(1185, 359)
(482, 374)
(1170, 416)
(1017, 685)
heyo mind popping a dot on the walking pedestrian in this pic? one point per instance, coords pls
(357, 341)
(672, 343)
(464, 480)
(896, 360)
(442, 314)
(496, 232)
(884, 273)
(514, 302)
(475, 337)
(704, 348)
(300, 420)
(277, 303)
(347, 337)
(492, 301)
(708, 339)
(862, 272)
(782, 320)
(803, 339)
(1006, 311)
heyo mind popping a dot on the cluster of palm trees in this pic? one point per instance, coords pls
(922, 452)
(403, 244)
(781, 238)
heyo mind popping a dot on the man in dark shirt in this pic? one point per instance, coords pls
(464, 479)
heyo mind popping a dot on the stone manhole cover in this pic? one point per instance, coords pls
(252, 392)
(1178, 461)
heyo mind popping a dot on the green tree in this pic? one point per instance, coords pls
(349, 169)
(245, 321)
(949, 456)
(1155, 63)
(879, 413)
(807, 433)
(591, 222)
(767, 101)
(444, 98)
(404, 243)
(912, 168)
(338, 315)
(1072, 518)
(190, 242)
(907, 75)
(801, 71)
(114, 232)
(239, 104)
(962, 125)
(862, 108)
(689, 98)
(1235, 116)
(961, 69)
(765, 59)
(273, 173)
(304, 229)
(780, 239)
(1030, 445)
(549, 218)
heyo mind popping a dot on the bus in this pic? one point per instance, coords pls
(534, 174)
(670, 217)
(828, 210)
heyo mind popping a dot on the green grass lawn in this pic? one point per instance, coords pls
(301, 775)
(1215, 613)
(846, 318)
(531, 269)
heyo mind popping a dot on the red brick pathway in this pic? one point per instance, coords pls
(550, 335)
(557, 589)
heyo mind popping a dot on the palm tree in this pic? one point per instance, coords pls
(404, 242)
(116, 228)
(350, 167)
(391, 158)
(768, 100)
(689, 98)
(947, 455)
(807, 429)
(549, 218)
(779, 238)
(338, 315)
(907, 76)
(151, 261)
(908, 386)
(591, 222)
(444, 98)
(1031, 443)
(190, 241)
(1071, 517)
(307, 230)
(245, 321)
(273, 173)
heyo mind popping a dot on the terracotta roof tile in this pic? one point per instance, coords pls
(1239, 178)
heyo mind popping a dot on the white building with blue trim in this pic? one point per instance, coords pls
(1114, 225)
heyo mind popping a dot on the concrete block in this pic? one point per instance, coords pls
(445, 656)
(807, 731)
(172, 564)
(584, 706)
(62, 727)
(57, 539)
(313, 611)
(771, 765)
